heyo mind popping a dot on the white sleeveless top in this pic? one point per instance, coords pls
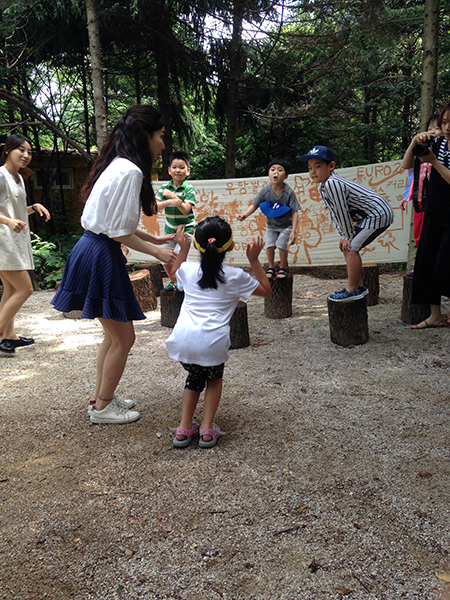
(15, 248)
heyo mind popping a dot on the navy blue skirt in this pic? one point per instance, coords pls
(96, 281)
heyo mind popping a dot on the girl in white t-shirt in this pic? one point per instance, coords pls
(95, 278)
(201, 337)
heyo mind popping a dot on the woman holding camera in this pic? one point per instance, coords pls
(431, 278)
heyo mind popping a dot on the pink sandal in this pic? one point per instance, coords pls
(215, 433)
(189, 433)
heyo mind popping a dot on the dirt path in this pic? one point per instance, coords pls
(333, 477)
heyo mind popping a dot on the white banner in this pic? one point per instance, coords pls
(317, 239)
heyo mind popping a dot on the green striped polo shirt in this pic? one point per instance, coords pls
(174, 216)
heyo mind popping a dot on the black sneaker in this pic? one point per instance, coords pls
(6, 347)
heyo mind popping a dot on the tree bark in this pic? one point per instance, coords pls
(97, 72)
(279, 304)
(429, 61)
(239, 335)
(143, 290)
(233, 89)
(348, 322)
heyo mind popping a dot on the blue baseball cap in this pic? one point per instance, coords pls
(274, 210)
(321, 152)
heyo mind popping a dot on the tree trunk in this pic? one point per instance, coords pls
(171, 301)
(279, 304)
(165, 105)
(239, 335)
(412, 313)
(143, 290)
(429, 61)
(348, 322)
(97, 72)
(233, 85)
(371, 278)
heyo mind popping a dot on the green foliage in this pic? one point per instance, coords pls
(50, 256)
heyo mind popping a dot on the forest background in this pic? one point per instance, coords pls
(237, 82)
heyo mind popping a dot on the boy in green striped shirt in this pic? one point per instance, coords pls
(177, 199)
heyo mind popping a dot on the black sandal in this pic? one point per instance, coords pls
(282, 274)
(270, 273)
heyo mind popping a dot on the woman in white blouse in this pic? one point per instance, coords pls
(95, 279)
(16, 257)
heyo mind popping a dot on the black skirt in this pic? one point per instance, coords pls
(96, 281)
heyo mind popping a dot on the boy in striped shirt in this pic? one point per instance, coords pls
(359, 214)
(177, 199)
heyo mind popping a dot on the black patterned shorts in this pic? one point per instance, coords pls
(198, 375)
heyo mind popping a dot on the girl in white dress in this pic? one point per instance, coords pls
(16, 257)
(201, 337)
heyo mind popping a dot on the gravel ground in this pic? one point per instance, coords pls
(332, 480)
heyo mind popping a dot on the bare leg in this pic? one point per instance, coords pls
(354, 270)
(17, 288)
(283, 258)
(167, 270)
(190, 401)
(271, 256)
(212, 398)
(101, 355)
(112, 359)
(434, 320)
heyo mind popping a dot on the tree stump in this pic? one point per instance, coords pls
(72, 314)
(279, 304)
(156, 275)
(239, 335)
(171, 301)
(412, 313)
(348, 322)
(143, 290)
(371, 278)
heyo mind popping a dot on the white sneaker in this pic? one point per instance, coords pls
(127, 404)
(113, 413)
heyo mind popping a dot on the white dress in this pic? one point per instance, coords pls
(15, 248)
(201, 335)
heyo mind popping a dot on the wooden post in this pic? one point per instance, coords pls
(171, 301)
(412, 313)
(371, 278)
(239, 335)
(143, 290)
(279, 304)
(348, 322)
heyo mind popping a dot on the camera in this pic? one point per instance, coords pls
(423, 149)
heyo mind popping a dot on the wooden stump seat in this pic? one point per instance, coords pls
(279, 304)
(348, 322)
(371, 278)
(171, 301)
(239, 335)
(143, 290)
(412, 313)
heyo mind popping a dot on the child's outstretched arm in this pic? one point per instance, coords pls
(253, 250)
(184, 243)
(250, 210)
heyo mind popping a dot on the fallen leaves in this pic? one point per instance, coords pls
(343, 591)
(424, 474)
(444, 576)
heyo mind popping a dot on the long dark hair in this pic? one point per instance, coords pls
(442, 113)
(129, 139)
(12, 142)
(213, 237)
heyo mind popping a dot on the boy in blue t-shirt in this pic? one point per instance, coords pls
(280, 205)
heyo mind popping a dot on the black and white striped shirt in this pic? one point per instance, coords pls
(350, 204)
